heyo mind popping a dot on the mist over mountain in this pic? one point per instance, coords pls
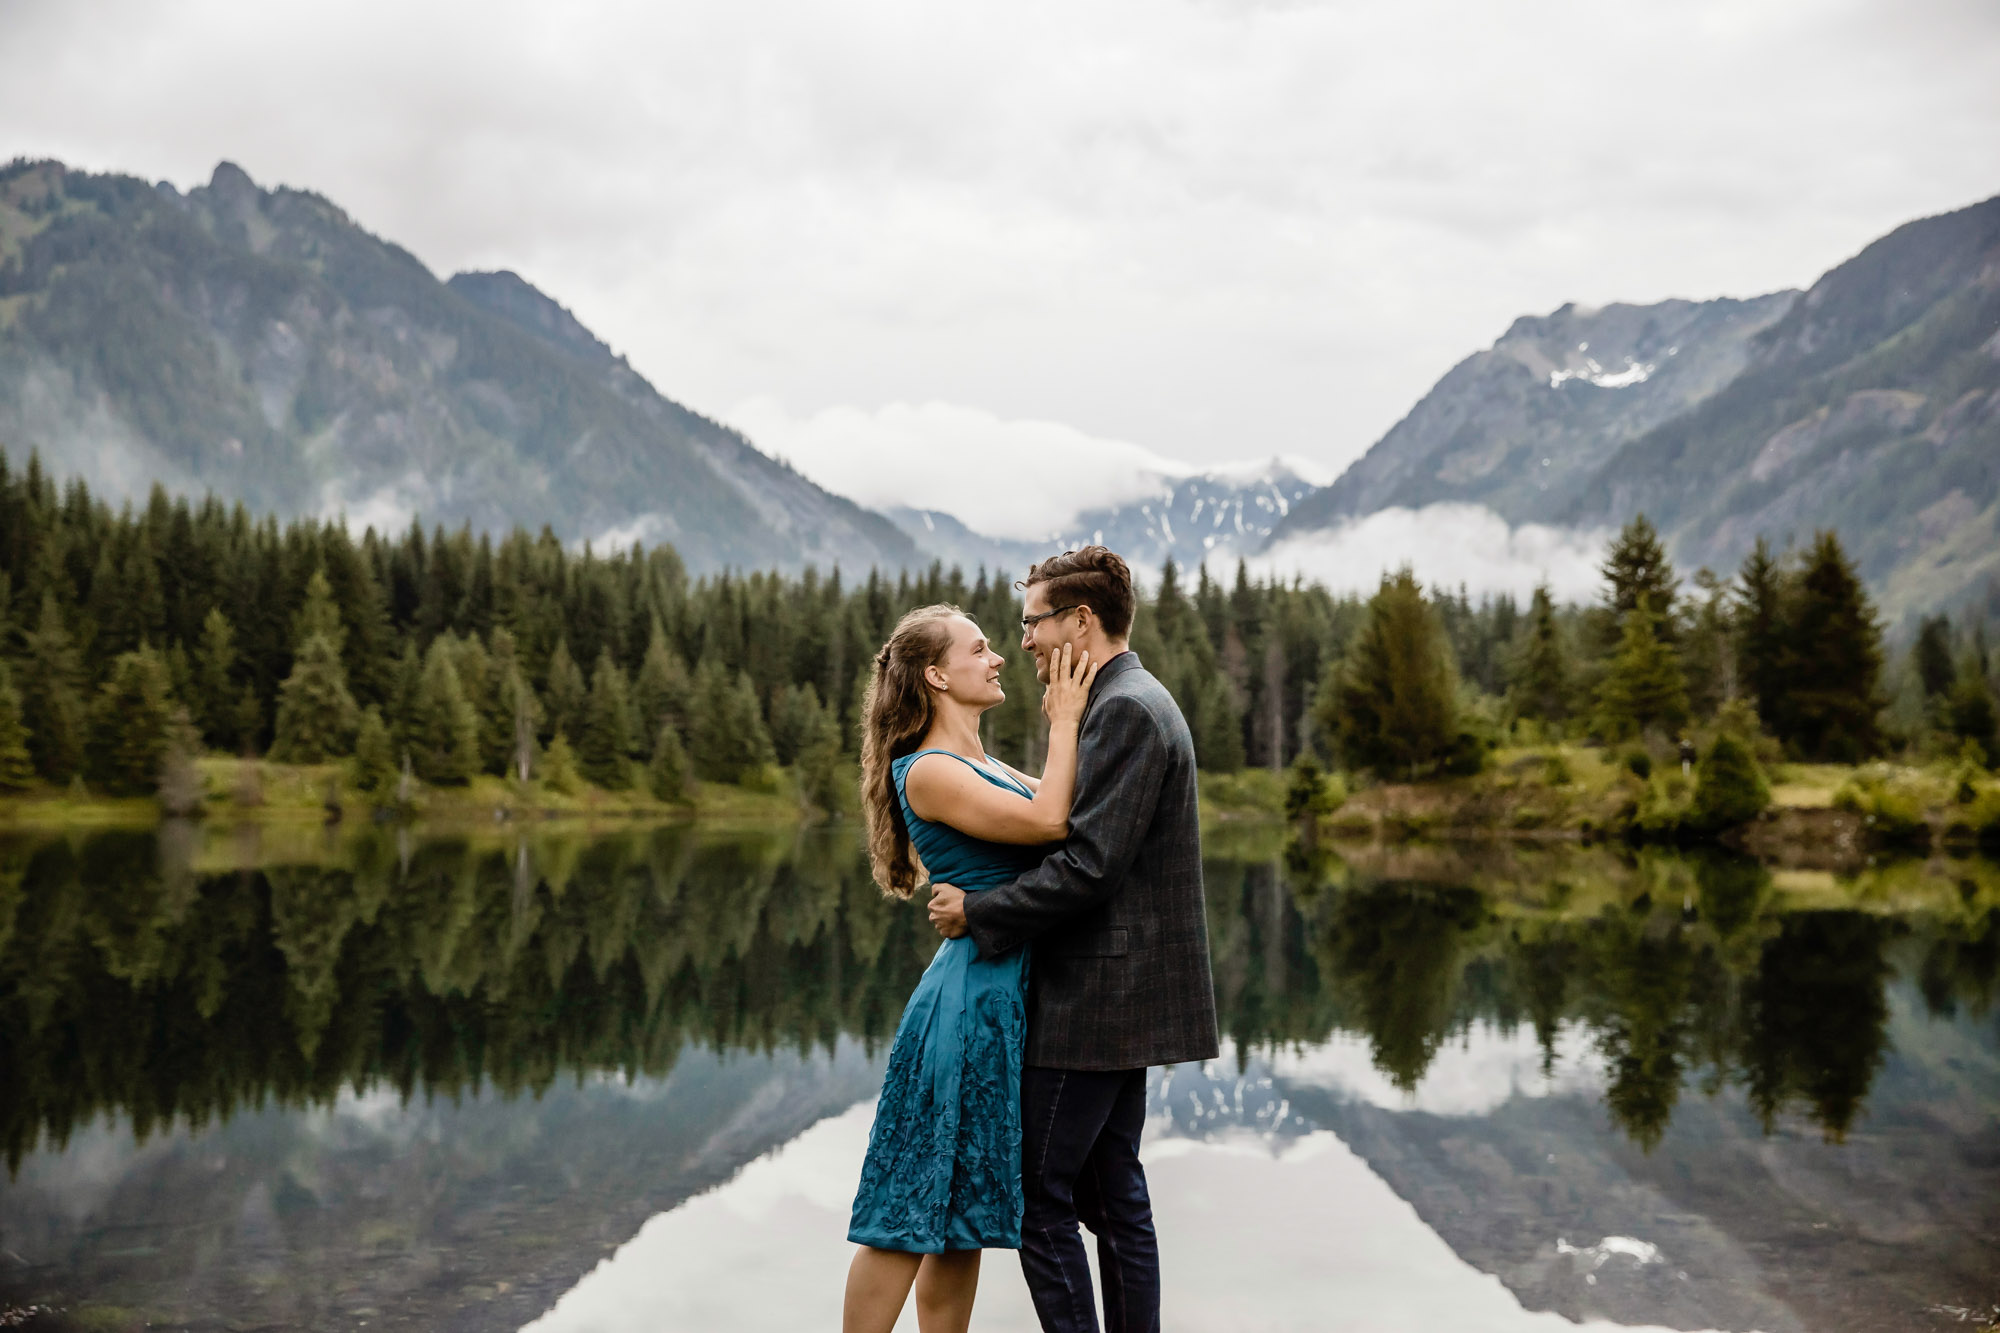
(261, 344)
(1869, 404)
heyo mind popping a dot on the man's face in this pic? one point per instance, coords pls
(1045, 638)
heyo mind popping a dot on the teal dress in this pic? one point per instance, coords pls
(943, 1170)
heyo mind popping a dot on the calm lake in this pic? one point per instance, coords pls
(358, 1079)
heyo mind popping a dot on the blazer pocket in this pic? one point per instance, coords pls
(1097, 944)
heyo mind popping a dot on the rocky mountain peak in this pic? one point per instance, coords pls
(519, 301)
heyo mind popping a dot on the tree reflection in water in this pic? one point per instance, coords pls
(132, 980)
(147, 975)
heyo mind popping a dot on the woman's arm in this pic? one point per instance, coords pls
(1031, 783)
(945, 791)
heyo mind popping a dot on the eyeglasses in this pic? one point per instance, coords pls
(1029, 622)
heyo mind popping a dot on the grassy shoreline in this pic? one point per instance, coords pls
(1821, 815)
(259, 792)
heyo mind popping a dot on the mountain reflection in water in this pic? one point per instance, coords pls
(430, 1083)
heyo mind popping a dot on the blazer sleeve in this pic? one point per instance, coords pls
(1121, 763)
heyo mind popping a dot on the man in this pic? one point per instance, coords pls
(1119, 978)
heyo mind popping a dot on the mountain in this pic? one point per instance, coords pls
(277, 1215)
(1214, 515)
(1525, 425)
(1872, 407)
(945, 539)
(1869, 404)
(1219, 514)
(262, 344)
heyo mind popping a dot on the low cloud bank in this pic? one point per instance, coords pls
(1004, 478)
(1447, 545)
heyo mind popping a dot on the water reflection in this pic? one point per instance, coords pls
(134, 980)
(427, 1083)
(1684, 969)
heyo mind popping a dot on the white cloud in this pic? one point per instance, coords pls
(1308, 1239)
(1447, 545)
(1465, 1079)
(1003, 478)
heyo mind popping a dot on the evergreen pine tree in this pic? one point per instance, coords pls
(320, 615)
(316, 714)
(1833, 698)
(444, 733)
(1931, 654)
(17, 766)
(729, 741)
(475, 677)
(509, 724)
(667, 774)
(822, 778)
(794, 715)
(52, 697)
(1763, 651)
(404, 697)
(564, 698)
(128, 724)
(246, 721)
(498, 704)
(374, 766)
(1636, 569)
(559, 773)
(1393, 708)
(660, 693)
(1643, 688)
(1969, 714)
(1707, 652)
(1217, 724)
(607, 727)
(1539, 684)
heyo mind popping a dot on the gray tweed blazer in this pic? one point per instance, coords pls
(1119, 977)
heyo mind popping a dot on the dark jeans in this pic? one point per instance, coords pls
(1080, 1162)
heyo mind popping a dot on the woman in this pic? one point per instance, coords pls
(942, 1179)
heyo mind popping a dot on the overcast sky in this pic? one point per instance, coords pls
(1207, 231)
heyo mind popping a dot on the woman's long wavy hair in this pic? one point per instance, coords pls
(896, 714)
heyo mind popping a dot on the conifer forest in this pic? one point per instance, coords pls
(135, 639)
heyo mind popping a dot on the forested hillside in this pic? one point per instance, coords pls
(132, 641)
(262, 344)
(1873, 406)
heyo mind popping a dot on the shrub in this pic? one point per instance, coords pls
(1729, 787)
(1664, 809)
(1892, 808)
(1638, 763)
(1311, 793)
(1256, 789)
(559, 773)
(1982, 817)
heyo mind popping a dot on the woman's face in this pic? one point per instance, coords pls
(969, 671)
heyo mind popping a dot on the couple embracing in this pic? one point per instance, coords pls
(1075, 956)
